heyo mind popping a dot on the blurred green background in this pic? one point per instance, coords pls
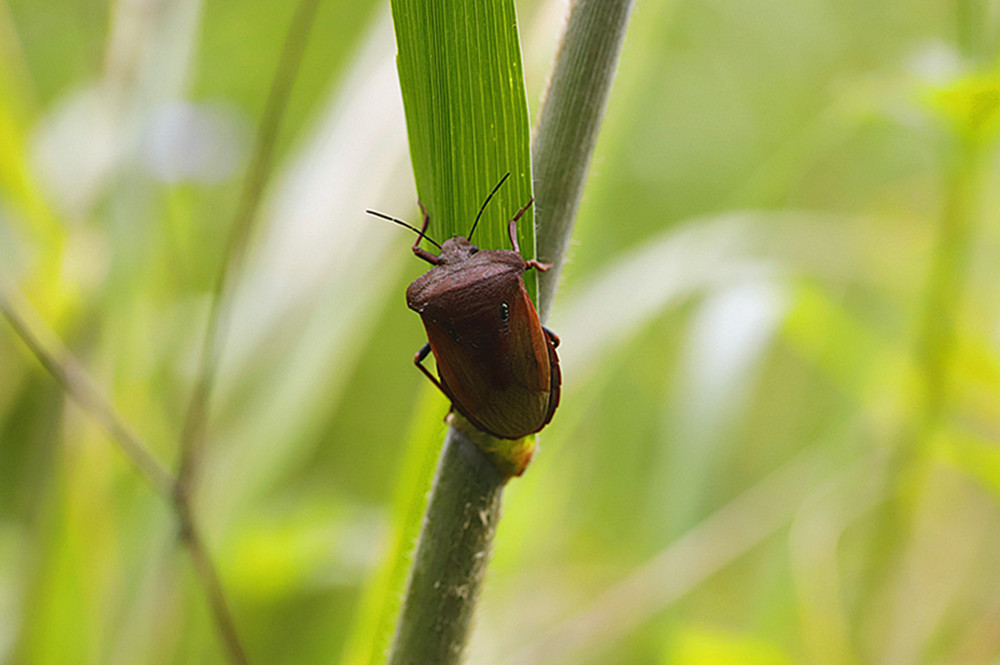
(779, 440)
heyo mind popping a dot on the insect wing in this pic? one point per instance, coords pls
(495, 362)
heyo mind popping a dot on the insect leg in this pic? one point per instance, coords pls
(423, 253)
(552, 336)
(512, 230)
(532, 263)
(418, 359)
(512, 225)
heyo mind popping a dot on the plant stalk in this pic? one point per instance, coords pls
(451, 557)
(571, 116)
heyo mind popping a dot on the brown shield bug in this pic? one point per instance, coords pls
(496, 362)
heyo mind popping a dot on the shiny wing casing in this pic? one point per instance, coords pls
(495, 361)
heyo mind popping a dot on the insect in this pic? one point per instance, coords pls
(496, 362)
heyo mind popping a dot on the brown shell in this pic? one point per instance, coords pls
(495, 362)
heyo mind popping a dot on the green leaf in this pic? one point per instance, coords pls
(466, 117)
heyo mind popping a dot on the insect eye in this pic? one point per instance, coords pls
(504, 312)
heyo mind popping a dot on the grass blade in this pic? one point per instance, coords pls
(467, 117)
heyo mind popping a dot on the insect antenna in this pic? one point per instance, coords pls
(402, 223)
(473, 229)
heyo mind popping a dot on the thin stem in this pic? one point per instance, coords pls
(69, 374)
(567, 130)
(451, 557)
(242, 228)
(908, 474)
(78, 385)
(209, 576)
(74, 380)
(945, 281)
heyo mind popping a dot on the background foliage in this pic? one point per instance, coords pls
(779, 434)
